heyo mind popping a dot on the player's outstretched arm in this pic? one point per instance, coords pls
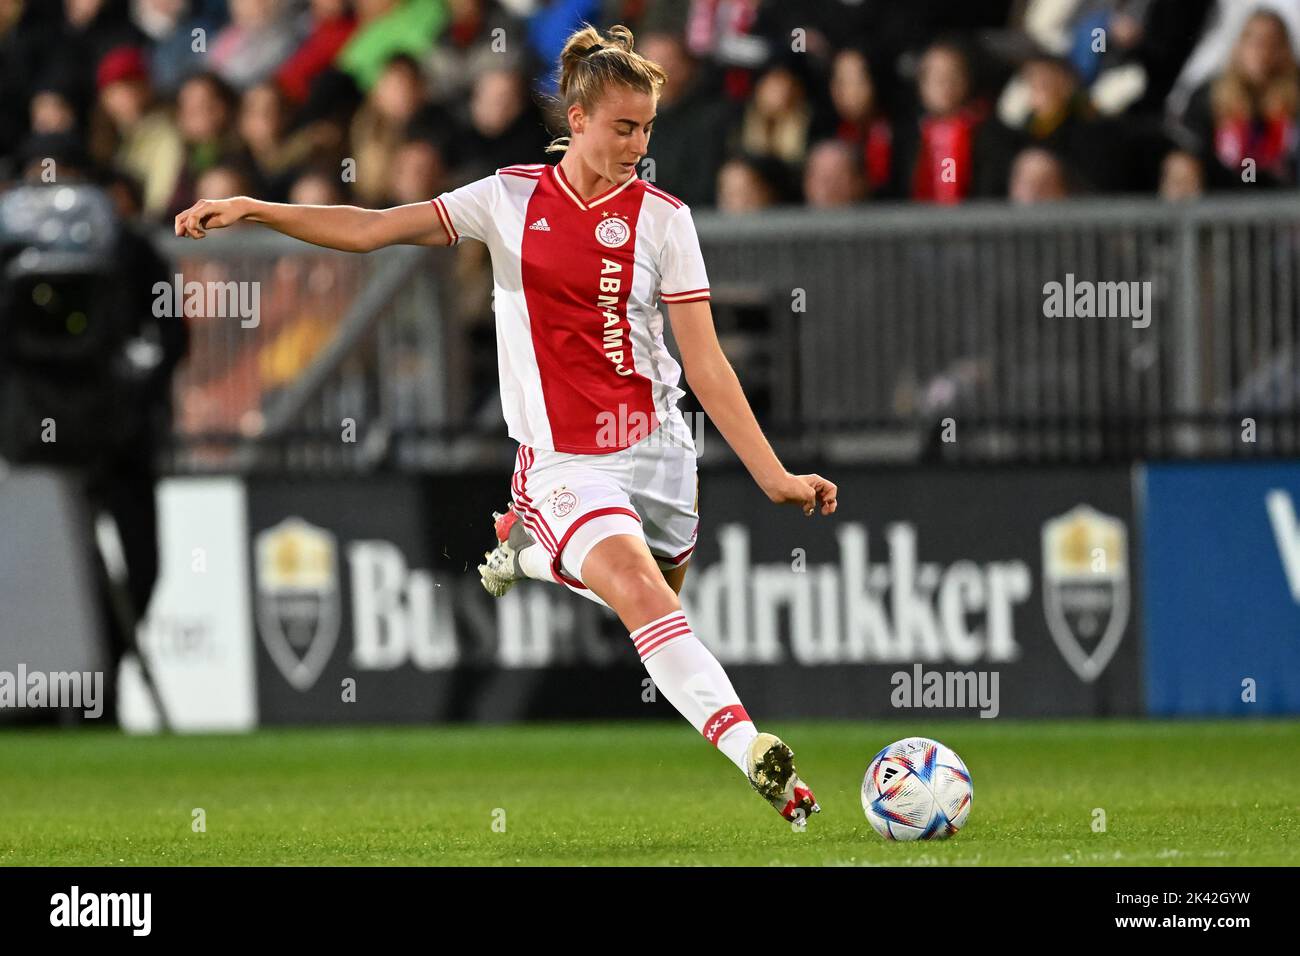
(349, 228)
(715, 384)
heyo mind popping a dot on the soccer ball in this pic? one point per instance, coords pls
(917, 789)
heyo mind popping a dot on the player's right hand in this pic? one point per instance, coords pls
(209, 214)
(807, 491)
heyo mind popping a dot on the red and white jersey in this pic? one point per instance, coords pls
(578, 287)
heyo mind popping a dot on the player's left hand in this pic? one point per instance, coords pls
(210, 214)
(807, 491)
(824, 492)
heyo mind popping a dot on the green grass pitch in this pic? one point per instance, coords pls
(1173, 793)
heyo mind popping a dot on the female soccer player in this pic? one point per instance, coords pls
(605, 490)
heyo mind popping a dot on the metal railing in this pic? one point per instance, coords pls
(926, 324)
(892, 333)
(345, 352)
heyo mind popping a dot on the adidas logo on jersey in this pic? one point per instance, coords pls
(541, 225)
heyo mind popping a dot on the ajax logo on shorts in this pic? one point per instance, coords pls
(612, 232)
(563, 502)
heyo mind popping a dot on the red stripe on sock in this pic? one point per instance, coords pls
(655, 623)
(650, 630)
(722, 721)
(646, 650)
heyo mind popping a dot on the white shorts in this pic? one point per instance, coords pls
(570, 502)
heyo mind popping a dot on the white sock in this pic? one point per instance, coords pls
(535, 562)
(694, 682)
(735, 743)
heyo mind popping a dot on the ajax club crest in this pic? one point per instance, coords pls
(563, 502)
(1085, 587)
(612, 232)
(296, 570)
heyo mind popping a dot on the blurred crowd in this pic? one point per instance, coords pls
(768, 102)
(823, 103)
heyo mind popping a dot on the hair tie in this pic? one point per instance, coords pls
(590, 50)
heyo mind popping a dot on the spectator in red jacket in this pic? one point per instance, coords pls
(1248, 112)
(862, 122)
(942, 164)
(331, 26)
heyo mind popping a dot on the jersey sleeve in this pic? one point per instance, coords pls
(683, 277)
(467, 212)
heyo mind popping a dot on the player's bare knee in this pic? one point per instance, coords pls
(641, 585)
(622, 572)
(637, 589)
(640, 607)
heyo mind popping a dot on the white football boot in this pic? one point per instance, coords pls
(502, 569)
(769, 764)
